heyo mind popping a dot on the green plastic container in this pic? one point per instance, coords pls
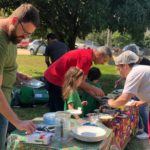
(40, 96)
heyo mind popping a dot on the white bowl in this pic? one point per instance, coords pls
(89, 133)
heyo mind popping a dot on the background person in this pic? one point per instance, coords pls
(19, 25)
(55, 49)
(137, 81)
(81, 58)
(72, 80)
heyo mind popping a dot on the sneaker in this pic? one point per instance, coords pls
(142, 136)
(139, 131)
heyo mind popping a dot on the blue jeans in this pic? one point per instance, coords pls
(143, 122)
(3, 131)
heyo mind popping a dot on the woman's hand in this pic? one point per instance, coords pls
(21, 76)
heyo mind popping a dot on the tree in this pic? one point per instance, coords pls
(97, 37)
(71, 18)
(131, 16)
(147, 39)
(67, 18)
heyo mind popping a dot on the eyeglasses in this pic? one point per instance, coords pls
(24, 30)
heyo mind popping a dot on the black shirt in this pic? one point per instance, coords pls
(55, 50)
(144, 61)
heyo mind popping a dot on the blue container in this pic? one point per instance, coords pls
(49, 118)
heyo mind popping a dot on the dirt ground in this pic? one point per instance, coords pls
(23, 51)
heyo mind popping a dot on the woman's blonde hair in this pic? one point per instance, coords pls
(70, 78)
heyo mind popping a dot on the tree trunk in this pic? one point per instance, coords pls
(71, 42)
(1, 12)
(109, 41)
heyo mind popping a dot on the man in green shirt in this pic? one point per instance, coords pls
(19, 25)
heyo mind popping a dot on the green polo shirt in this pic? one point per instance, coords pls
(8, 66)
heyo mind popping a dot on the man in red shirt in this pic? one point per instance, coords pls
(81, 58)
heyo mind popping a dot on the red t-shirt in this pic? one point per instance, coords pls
(82, 58)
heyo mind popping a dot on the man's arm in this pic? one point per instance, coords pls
(6, 111)
(121, 100)
(92, 90)
(47, 61)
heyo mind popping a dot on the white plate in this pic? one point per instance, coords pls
(89, 133)
(75, 111)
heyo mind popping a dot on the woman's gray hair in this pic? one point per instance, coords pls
(105, 50)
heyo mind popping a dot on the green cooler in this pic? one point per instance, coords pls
(40, 96)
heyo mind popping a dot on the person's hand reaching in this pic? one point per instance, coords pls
(26, 125)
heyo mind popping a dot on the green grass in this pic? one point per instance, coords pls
(31, 65)
(135, 144)
(35, 67)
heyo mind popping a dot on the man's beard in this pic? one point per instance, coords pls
(13, 38)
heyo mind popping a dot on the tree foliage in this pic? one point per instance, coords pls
(130, 16)
(72, 18)
(120, 40)
(147, 39)
(98, 37)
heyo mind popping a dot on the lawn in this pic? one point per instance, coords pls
(35, 66)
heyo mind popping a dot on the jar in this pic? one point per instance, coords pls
(62, 128)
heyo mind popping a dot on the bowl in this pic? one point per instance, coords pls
(49, 118)
(89, 133)
(104, 118)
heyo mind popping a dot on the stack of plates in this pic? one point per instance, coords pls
(89, 133)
